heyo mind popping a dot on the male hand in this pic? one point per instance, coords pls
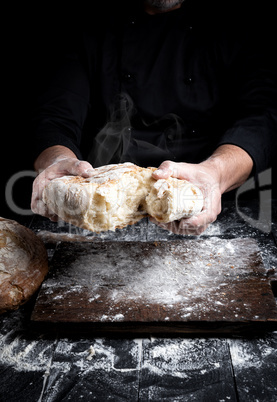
(207, 179)
(61, 167)
(226, 169)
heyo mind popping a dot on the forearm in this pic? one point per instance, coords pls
(231, 164)
(51, 155)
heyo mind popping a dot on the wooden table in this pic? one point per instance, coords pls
(50, 366)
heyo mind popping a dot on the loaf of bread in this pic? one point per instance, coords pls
(119, 195)
(23, 264)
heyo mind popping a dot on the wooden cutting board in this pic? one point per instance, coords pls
(181, 286)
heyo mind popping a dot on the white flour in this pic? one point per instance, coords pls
(24, 355)
(244, 356)
(197, 276)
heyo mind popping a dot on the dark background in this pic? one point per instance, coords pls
(32, 40)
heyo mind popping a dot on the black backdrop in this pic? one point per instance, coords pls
(32, 38)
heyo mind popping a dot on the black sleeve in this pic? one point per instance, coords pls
(61, 109)
(255, 126)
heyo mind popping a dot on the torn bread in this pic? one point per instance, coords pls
(173, 199)
(109, 199)
(23, 264)
(119, 195)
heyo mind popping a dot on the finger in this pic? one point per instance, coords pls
(84, 169)
(37, 205)
(38, 185)
(180, 170)
(196, 226)
(208, 215)
(171, 226)
(40, 208)
(53, 217)
(190, 229)
(73, 167)
(165, 170)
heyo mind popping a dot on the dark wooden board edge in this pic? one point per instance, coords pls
(161, 329)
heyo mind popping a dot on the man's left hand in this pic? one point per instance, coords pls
(206, 178)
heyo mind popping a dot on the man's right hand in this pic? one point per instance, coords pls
(62, 166)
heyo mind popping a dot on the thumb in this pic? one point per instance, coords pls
(165, 170)
(80, 168)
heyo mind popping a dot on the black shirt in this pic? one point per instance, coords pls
(146, 88)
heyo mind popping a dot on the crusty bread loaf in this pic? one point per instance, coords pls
(108, 200)
(120, 195)
(23, 264)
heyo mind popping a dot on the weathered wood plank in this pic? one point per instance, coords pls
(20, 386)
(255, 368)
(94, 370)
(24, 358)
(186, 370)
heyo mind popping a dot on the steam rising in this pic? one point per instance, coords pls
(145, 144)
(113, 140)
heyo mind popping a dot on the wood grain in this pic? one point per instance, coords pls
(207, 285)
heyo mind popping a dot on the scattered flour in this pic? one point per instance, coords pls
(24, 355)
(244, 356)
(116, 277)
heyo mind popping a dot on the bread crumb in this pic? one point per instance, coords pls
(91, 352)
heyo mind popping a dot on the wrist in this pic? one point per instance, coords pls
(230, 165)
(214, 168)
